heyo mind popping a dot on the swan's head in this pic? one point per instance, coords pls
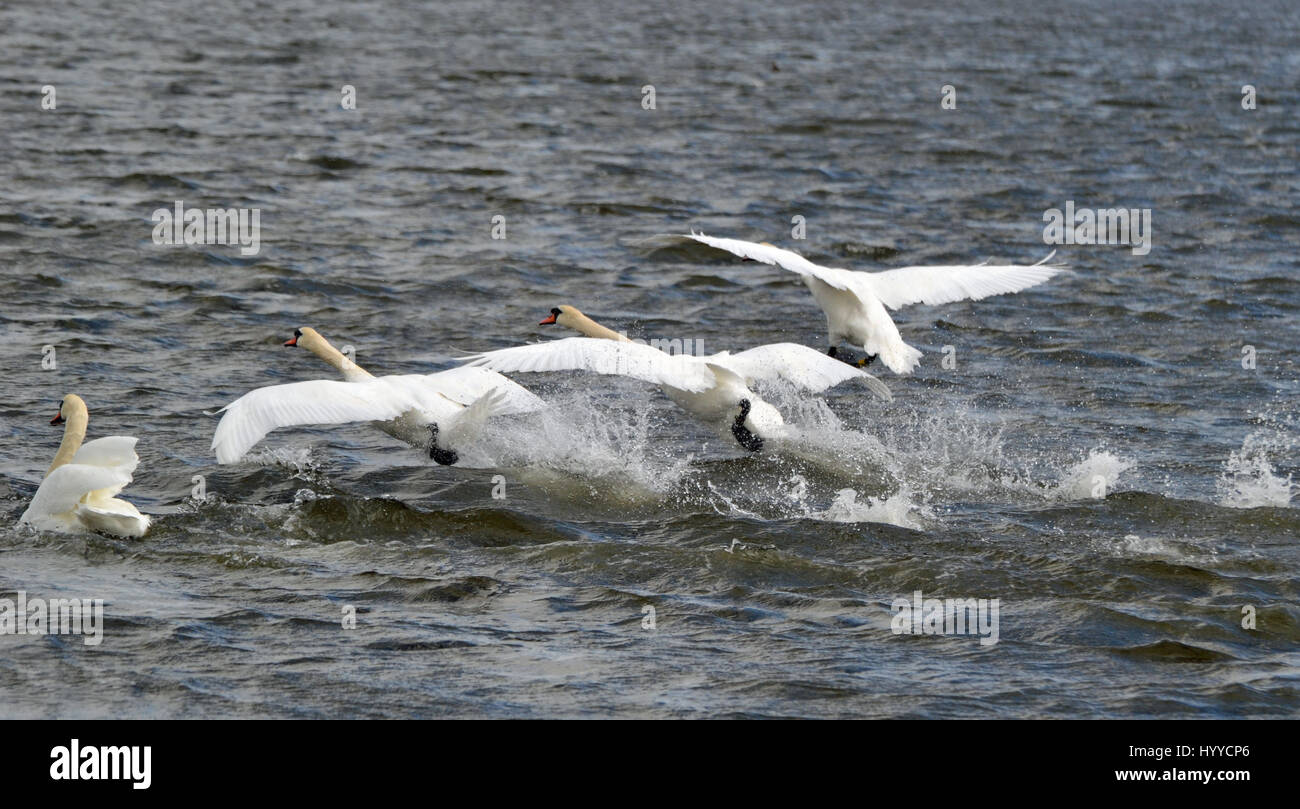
(563, 315)
(307, 337)
(70, 405)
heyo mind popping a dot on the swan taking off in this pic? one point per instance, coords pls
(79, 490)
(715, 389)
(433, 412)
(855, 302)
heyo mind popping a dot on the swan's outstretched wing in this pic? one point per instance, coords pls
(800, 365)
(64, 487)
(601, 357)
(785, 259)
(321, 401)
(957, 282)
(903, 286)
(324, 401)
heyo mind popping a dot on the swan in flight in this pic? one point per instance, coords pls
(79, 490)
(433, 412)
(855, 302)
(715, 389)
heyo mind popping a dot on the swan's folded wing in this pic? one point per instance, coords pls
(466, 384)
(322, 401)
(115, 451)
(958, 282)
(65, 486)
(601, 357)
(113, 516)
(785, 259)
(800, 365)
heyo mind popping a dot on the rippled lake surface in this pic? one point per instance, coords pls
(771, 577)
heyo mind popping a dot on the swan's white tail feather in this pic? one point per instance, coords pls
(897, 355)
(468, 423)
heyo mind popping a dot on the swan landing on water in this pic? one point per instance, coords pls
(714, 389)
(432, 412)
(855, 302)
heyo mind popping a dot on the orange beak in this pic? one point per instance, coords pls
(548, 321)
(58, 418)
(292, 341)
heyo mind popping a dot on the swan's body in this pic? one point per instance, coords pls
(855, 302)
(79, 492)
(435, 412)
(715, 389)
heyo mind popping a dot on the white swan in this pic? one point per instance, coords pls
(79, 490)
(433, 412)
(854, 302)
(715, 389)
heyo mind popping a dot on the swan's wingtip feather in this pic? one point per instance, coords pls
(879, 388)
(1060, 266)
(225, 454)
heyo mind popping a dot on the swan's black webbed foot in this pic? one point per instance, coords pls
(746, 438)
(446, 457)
(847, 357)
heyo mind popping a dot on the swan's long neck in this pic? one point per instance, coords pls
(322, 348)
(589, 327)
(75, 419)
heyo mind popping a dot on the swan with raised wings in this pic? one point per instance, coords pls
(433, 412)
(80, 488)
(855, 302)
(715, 389)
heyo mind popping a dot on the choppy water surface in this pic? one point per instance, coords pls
(975, 482)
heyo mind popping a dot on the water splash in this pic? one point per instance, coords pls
(298, 458)
(1095, 476)
(618, 446)
(796, 497)
(1248, 479)
(897, 509)
(859, 462)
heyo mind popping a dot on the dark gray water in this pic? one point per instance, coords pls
(376, 228)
